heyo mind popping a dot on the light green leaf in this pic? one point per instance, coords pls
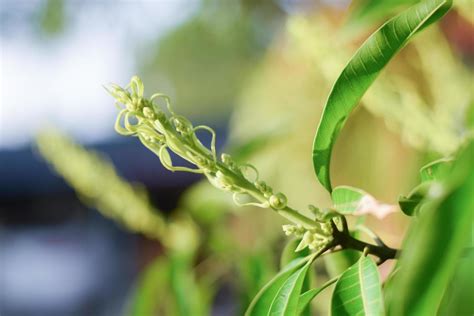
(346, 200)
(436, 170)
(286, 300)
(360, 73)
(358, 291)
(434, 245)
(308, 296)
(353, 201)
(264, 299)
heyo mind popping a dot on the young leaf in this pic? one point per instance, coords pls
(349, 200)
(285, 302)
(362, 70)
(308, 296)
(411, 203)
(434, 245)
(436, 170)
(358, 291)
(262, 302)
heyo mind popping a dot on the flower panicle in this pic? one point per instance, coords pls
(164, 132)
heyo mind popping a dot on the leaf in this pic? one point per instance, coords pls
(264, 299)
(358, 291)
(411, 203)
(289, 253)
(308, 296)
(436, 170)
(431, 175)
(434, 245)
(349, 200)
(151, 284)
(361, 72)
(287, 297)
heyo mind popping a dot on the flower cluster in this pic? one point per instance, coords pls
(163, 132)
(315, 238)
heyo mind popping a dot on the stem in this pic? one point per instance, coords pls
(346, 241)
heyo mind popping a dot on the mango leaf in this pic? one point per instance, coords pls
(431, 176)
(436, 170)
(151, 285)
(358, 291)
(361, 72)
(263, 301)
(287, 297)
(308, 296)
(369, 10)
(353, 201)
(411, 203)
(434, 245)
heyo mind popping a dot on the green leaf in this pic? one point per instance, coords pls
(411, 203)
(264, 299)
(436, 170)
(308, 296)
(434, 245)
(289, 253)
(151, 284)
(287, 297)
(361, 72)
(346, 200)
(358, 291)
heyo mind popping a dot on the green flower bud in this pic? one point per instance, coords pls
(278, 201)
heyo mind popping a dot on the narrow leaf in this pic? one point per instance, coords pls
(261, 303)
(434, 245)
(285, 302)
(358, 291)
(308, 296)
(360, 73)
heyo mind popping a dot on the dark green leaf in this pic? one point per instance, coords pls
(308, 296)
(151, 283)
(362, 70)
(285, 302)
(411, 203)
(262, 302)
(358, 291)
(435, 244)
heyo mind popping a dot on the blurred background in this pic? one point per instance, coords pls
(258, 72)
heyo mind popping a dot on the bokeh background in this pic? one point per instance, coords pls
(258, 72)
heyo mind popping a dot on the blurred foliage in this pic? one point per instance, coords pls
(52, 17)
(213, 51)
(97, 184)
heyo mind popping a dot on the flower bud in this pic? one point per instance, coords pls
(278, 201)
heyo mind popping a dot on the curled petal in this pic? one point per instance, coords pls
(213, 139)
(236, 195)
(118, 124)
(249, 166)
(164, 97)
(168, 164)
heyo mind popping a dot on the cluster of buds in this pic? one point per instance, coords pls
(164, 132)
(315, 238)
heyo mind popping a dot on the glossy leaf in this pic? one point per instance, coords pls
(358, 291)
(436, 170)
(287, 297)
(360, 73)
(353, 201)
(264, 299)
(411, 203)
(434, 245)
(308, 296)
